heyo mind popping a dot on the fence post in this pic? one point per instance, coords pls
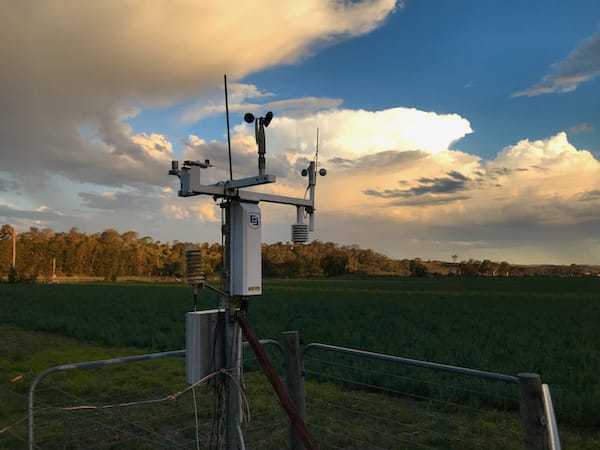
(532, 411)
(294, 379)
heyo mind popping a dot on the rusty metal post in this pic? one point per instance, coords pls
(282, 394)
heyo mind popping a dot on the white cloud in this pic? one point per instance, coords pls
(410, 193)
(71, 76)
(354, 133)
(581, 65)
(554, 153)
(71, 69)
(545, 191)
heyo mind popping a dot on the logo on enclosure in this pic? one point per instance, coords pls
(254, 220)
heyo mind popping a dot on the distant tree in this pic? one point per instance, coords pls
(488, 268)
(111, 248)
(334, 261)
(417, 268)
(6, 236)
(504, 269)
(469, 268)
(34, 260)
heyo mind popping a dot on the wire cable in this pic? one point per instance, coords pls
(171, 397)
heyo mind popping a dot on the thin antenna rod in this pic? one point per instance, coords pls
(316, 159)
(228, 136)
(317, 152)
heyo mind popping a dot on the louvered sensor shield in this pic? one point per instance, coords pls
(194, 273)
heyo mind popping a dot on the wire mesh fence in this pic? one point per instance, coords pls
(125, 405)
(358, 403)
(351, 403)
(12, 408)
(138, 405)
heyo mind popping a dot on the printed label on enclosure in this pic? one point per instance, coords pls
(254, 220)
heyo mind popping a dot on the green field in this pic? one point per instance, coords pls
(507, 325)
(339, 417)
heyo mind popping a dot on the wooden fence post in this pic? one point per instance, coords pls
(532, 411)
(294, 379)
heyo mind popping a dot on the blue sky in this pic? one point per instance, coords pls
(447, 127)
(464, 57)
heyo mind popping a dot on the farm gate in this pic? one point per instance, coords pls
(353, 399)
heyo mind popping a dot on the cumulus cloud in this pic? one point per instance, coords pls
(414, 181)
(363, 140)
(71, 68)
(555, 153)
(351, 134)
(75, 72)
(534, 181)
(536, 191)
(581, 65)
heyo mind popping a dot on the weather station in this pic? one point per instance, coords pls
(214, 337)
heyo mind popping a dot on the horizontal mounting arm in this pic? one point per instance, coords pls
(251, 181)
(223, 191)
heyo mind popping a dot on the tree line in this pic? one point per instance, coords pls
(43, 253)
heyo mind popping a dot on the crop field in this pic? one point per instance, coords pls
(506, 325)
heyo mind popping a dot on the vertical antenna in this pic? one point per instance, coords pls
(228, 136)
(317, 152)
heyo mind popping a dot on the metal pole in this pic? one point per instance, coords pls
(294, 378)
(232, 347)
(412, 362)
(233, 405)
(553, 438)
(312, 181)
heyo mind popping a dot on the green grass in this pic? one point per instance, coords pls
(338, 417)
(508, 325)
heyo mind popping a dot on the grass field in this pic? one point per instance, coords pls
(507, 325)
(333, 412)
